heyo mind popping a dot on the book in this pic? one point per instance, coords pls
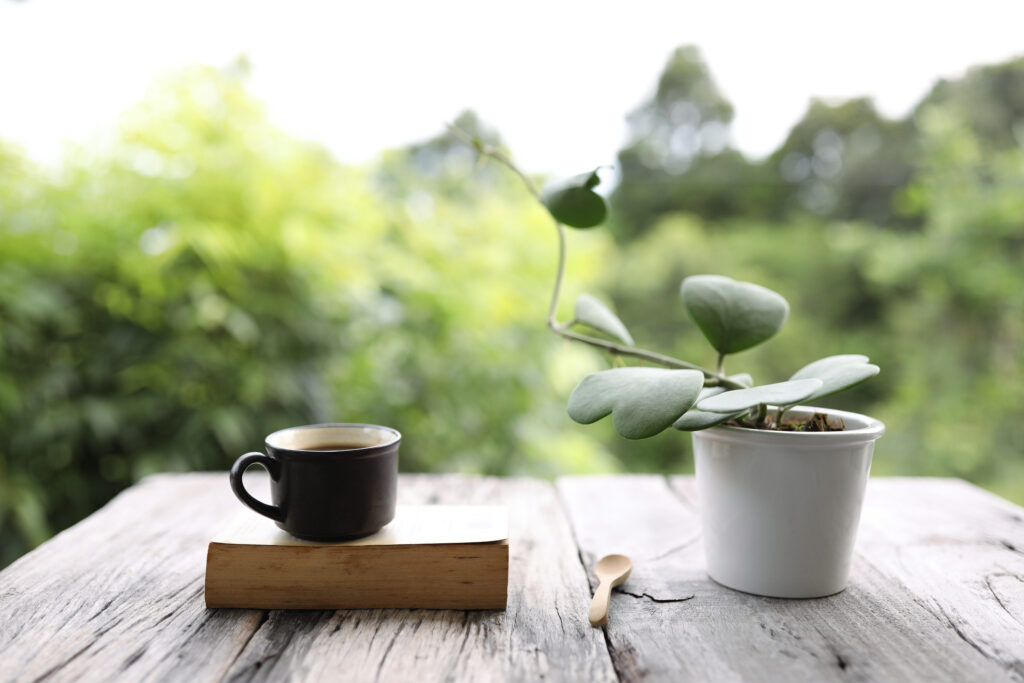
(429, 556)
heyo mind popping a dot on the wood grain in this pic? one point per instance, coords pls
(937, 594)
(960, 550)
(543, 635)
(671, 622)
(120, 595)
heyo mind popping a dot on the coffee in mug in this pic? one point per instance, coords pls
(328, 482)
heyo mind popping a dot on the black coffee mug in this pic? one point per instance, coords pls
(328, 482)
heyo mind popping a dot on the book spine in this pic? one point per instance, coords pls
(463, 576)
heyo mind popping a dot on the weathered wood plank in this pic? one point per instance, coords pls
(960, 550)
(937, 593)
(875, 630)
(544, 634)
(120, 595)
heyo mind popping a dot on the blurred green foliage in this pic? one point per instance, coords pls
(171, 296)
(168, 301)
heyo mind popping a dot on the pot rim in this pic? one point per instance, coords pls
(868, 429)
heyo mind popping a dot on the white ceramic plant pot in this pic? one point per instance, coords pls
(780, 510)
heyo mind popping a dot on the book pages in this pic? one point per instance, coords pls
(412, 525)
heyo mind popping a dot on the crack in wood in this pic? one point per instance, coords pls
(625, 661)
(264, 618)
(1011, 547)
(963, 636)
(465, 637)
(840, 661)
(102, 609)
(618, 668)
(674, 549)
(54, 669)
(583, 563)
(164, 618)
(652, 598)
(134, 657)
(995, 594)
(688, 502)
(174, 594)
(387, 651)
(110, 625)
(558, 613)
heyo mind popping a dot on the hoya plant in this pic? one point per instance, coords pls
(733, 316)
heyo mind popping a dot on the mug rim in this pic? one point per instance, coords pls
(366, 450)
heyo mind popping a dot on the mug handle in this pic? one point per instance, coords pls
(272, 511)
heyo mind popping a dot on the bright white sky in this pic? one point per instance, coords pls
(555, 77)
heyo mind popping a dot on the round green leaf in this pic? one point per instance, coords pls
(823, 365)
(843, 377)
(733, 315)
(642, 401)
(573, 201)
(782, 393)
(694, 420)
(590, 311)
(837, 373)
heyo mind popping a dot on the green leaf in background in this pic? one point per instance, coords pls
(694, 420)
(590, 311)
(782, 393)
(573, 201)
(837, 373)
(642, 401)
(733, 315)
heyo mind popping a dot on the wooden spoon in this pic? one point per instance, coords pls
(611, 571)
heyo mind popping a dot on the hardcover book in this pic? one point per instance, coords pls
(429, 556)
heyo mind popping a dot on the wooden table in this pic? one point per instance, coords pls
(937, 593)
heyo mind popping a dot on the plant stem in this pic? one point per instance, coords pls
(779, 413)
(762, 413)
(557, 293)
(634, 352)
(711, 379)
(720, 367)
(494, 153)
